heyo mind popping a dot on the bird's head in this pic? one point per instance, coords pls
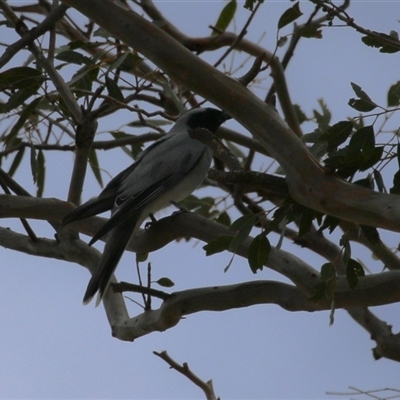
(208, 118)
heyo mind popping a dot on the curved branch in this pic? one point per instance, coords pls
(309, 184)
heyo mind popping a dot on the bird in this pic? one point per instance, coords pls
(165, 173)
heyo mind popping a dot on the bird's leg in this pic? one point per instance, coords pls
(153, 221)
(180, 207)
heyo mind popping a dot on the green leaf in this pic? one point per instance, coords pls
(301, 116)
(224, 219)
(25, 114)
(243, 226)
(34, 163)
(113, 90)
(17, 161)
(165, 282)
(119, 61)
(362, 143)
(249, 4)
(379, 41)
(258, 252)
(337, 134)
(226, 16)
(353, 271)
(290, 15)
(41, 173)
(393, 96)
(379, 181)
(360, 92)
(84, 78)
(306, 220)
(141, 257)
(100, 32)
(135, 148)
(94, 165)
(364, 102)
(361, 105)
(325, 117)
(309, 31)
(73, 57)
(371, 234)
(221, 243)
(19, 78)
(396, 178)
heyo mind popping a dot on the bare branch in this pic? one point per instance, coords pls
(206, 387)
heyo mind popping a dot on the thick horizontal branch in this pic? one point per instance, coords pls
(222, 298)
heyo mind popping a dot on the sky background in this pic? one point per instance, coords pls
(51, 346)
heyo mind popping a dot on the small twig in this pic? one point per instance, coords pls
(240, 36)
(25, 224)
(206, 387)
(131, 287)
(220, 151)
(46, 25)
(249, 76)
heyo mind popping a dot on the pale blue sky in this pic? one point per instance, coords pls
(51, 346)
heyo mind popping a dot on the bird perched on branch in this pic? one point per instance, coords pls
(167, 171)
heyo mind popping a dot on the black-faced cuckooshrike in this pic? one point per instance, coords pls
(167, 171)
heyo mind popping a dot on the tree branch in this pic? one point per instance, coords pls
(308, 182)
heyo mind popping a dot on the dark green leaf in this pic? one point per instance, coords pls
(396, 178)
(345, 243)
(282, 41)
(380, 41)
(84, 78)
(224, 219)
(243, 226)
(371, 234)
(136, 148)
(318, 291)
(330, 223)
(306, 220)
(221, 243)
(290, 15)
(325, 117)
(379, 181)
(73, 57)
(165, 282)
(300, 114)
(337, 134)
(258, 252)
(100, 32)
(226, 16)
(25, 114)
(362, 143)
(393, 96)
(361, 105)
(249, 4)
(141, 257)
(360, 92)
(17, 161)
(328, 275)
(119, 61)
(41, 173)
(94, 165)
(34, 163)
(113, 90)
(353, 270)
(19, 78)
(309, 31)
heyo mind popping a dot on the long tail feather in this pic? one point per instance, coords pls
(116, 243)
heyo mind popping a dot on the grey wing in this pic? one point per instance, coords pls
(106, 199)
(171, 172)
